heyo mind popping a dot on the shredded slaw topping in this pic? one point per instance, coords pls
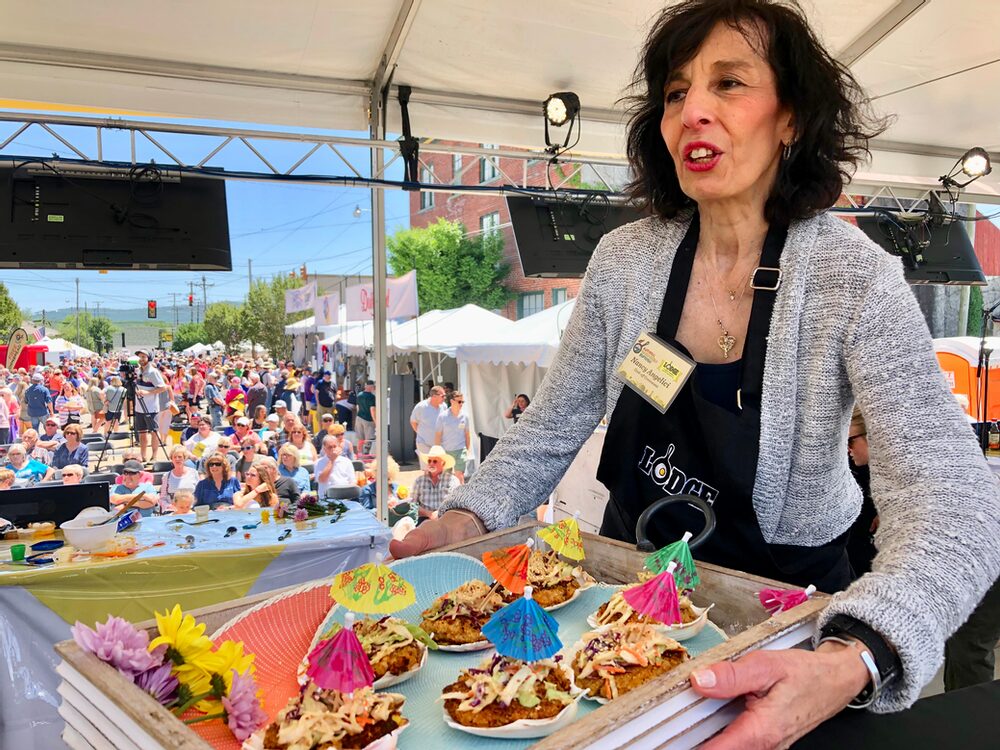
(611, 652)
(619, 611)
(546, 569)
(465, 602)
(381, 637)
(319, 716)
(503, 680)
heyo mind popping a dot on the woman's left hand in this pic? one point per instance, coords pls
(788, 693)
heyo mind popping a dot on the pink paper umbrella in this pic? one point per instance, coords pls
(340, 663)
(657, 597)
(779, 600)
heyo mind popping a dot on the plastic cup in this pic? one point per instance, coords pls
(17, 552)
(201, 512)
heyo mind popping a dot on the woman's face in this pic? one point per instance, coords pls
(177, 459)
(70, 436)
(17, 458)
(522, 403)
(723, 124)
(288, 460)
(253, 477)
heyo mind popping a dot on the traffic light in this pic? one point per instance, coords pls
(302, 272)
(151, 308)
(190, 300)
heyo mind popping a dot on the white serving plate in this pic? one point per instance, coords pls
(677, 632)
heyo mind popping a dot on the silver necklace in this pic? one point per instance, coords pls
(727, 342)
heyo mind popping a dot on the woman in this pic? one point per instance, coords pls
(248, 450)
(235, 398)
(26, 471)
(20, 387)
(257, 492)
(180, 477)
(114, 397)
(289, 465)
(454, 435)
(741, 133)
(299, 439)
(96, 404)
(5, 416)
(6, 479)
(258, 422)
(71, 451)
(218, 487)
(69, 404)
(521, 402)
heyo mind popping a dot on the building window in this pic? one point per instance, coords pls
(487, 169)
(426, 197)
(530, 303)
(558, 296)
(456, 168)
(489, 222)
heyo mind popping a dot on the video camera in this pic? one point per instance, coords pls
(129, 370)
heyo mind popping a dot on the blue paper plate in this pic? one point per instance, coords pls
(47, 546)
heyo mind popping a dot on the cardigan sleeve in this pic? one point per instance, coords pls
(531, 457)
(938, 502)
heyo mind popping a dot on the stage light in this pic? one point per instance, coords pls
(974, 163)
(562, 108)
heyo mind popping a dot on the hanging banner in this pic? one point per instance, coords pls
(326, 309)
(15, 345)
(400, 299)
(303, 298)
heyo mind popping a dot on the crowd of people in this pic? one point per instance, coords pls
(217, 431)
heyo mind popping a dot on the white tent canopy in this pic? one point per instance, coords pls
(531, 340)
(61, 347)
(444, 331)
(309, 64)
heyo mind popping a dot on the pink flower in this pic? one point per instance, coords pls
(119, 643)
(301, 514)
(243, 711)
(159, 683)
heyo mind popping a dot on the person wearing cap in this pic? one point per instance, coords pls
(151, 394)
(241, 430)
(326, 393)
(329, 426)
(39, 401)
(132, 486)
(364, 420)
(51, 438)
(192, 429)
(433, 486)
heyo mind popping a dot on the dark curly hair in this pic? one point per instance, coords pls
(830, 114)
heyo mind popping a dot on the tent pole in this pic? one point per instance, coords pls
(377, 132)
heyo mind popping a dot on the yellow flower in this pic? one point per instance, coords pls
(222, 662)
(184, 638)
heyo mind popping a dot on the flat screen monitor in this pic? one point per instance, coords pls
(83, 217)
(932, 253)
(56, 503)
(556, 237)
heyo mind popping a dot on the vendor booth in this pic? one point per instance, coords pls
(959, 360)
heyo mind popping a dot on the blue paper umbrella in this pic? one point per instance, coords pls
(523, 630)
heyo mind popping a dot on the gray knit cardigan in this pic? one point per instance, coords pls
(845, 327)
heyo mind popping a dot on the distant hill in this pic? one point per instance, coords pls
(164, 317)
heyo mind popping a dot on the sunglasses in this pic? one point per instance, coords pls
(215, 466)
(434, 461)
(130, 473)
(458, 401)
(852, 438)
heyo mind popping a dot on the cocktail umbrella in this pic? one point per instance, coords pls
(564, 537)
(523, 630)
(778, 600)
(657, 597)
(679, 552)
(373, 589)
(509, 566)
(340, 663)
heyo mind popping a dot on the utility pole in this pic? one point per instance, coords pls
(174, 295)
(78, 311)
(249, 274)
(204, 296)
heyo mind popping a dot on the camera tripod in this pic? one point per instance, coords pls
(129, 409)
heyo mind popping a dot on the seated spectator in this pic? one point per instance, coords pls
(180, 477)
(192, 429)
(330, 427)
(133, 454)
(432, 488)
(72, 474)
(271, 424)
(72, 451)
(203, 442)
(291, 468)
(287, 489)
(288, 423)
(259, 416)
(6, 479)
(26, 471)
(248, 453)
(298, 439)
(242, 431)
(29, 439)
(218, 487)
(132, 485)
(281, 410)
(258, 491)
(368, 496)
(332, 469)
(183, 503)
(51, 437)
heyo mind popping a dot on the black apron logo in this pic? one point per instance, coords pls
(671, 479)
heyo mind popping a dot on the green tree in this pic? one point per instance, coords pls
(10, 314)
(975, 324)
(453, 268)
(189, 334)
(225, 322)
(96, 332)
(266, 316)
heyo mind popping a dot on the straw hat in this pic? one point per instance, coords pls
(438, 452)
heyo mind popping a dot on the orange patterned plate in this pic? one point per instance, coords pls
(278, 631)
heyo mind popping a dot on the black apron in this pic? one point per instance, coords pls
(703, 449)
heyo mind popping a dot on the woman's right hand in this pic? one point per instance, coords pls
(452, 527)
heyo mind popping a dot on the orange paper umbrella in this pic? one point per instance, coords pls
(510, 566)
(657, 597)
(564, 537)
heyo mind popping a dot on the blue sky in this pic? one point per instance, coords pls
(278, 226)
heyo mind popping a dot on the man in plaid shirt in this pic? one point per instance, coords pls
(431, 489)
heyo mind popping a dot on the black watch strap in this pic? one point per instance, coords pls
(886, 659)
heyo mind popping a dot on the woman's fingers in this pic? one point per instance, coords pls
(755, 673)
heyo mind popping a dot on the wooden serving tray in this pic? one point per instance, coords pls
(104, 710)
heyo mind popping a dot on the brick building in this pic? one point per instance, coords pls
(488, 212)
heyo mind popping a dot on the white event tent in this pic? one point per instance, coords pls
(58, 347)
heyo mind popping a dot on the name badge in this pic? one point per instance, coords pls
(655, 370)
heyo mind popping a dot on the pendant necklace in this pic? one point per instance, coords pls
(727, 341)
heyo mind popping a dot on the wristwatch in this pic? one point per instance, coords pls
(883, 664)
